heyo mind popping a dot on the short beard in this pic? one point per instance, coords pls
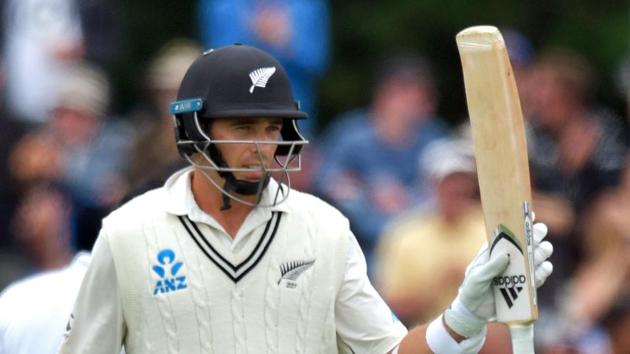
(242, 187)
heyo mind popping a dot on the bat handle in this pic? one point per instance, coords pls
(522, 338)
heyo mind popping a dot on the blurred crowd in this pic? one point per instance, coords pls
(402, 175)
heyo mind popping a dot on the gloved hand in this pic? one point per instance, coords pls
(474, 305)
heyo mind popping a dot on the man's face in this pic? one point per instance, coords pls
(456, 193)
(73, 126)
(248, 155)
(552, 103)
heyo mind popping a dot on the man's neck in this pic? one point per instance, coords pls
(210, 200)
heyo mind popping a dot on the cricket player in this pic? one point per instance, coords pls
(226, 258)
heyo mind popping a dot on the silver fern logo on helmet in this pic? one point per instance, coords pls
(260, 77)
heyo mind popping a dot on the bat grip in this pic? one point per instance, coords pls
(522, 338)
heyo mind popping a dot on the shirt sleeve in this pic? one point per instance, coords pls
(96, 324)
(365, 324)
(3, 323)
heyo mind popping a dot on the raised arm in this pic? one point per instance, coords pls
(462, 327)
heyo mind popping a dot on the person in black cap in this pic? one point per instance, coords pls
(226, 258)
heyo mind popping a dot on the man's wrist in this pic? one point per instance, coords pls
(458, 337)
(459, 319)
(441, 341)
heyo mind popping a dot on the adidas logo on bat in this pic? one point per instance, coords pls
(510, 287)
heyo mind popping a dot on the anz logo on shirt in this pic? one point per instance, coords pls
(168, 270)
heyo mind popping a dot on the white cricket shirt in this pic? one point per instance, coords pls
(167, 278)
(34, 311)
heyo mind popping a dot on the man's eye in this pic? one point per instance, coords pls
(274, 128)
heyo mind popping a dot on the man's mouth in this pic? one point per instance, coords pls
(254, 172)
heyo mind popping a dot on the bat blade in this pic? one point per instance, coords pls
(502, 167)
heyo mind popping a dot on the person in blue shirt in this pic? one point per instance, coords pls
(296, 32)
(372, 155)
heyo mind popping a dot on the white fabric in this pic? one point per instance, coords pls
(331, 303)
(34, 31)
(34, 312)
(543, 250)
(475, 292)
(441, 342)
(462, 321)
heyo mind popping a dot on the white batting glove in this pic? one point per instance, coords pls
(474, 305)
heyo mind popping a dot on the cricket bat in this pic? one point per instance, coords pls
(503, 173)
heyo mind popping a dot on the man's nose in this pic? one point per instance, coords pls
(266, 140)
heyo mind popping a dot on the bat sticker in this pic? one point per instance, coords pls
(503, 233)
(512, 286)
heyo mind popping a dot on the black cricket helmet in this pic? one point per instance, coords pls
(236, 81)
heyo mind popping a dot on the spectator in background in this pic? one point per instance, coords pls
(597, 297)
(574, 139)
(50, 165)
(42, 225)
(78, 153)
(369, 171)
(296, 32)
(13, 262)
(429, 247)
(617, 326)
(522, 55)
(10, 133)
(34, 311)
(576, 152)
(102, 33)
(154, 155)
(43, 38)
(623, 84)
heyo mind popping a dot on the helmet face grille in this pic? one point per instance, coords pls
(189, 129)
(287, 157)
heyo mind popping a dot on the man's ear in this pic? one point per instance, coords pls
(206, 126)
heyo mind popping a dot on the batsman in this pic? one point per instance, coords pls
(227, 258)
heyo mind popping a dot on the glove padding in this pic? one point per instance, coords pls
(474, 305)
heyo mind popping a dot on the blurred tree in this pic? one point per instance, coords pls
(366, 30)
(147, 26)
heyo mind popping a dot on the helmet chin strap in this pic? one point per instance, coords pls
(236, 185)
(241, 187)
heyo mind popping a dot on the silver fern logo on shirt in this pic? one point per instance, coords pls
(291, 271)
(168, 270)
(260, 77)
